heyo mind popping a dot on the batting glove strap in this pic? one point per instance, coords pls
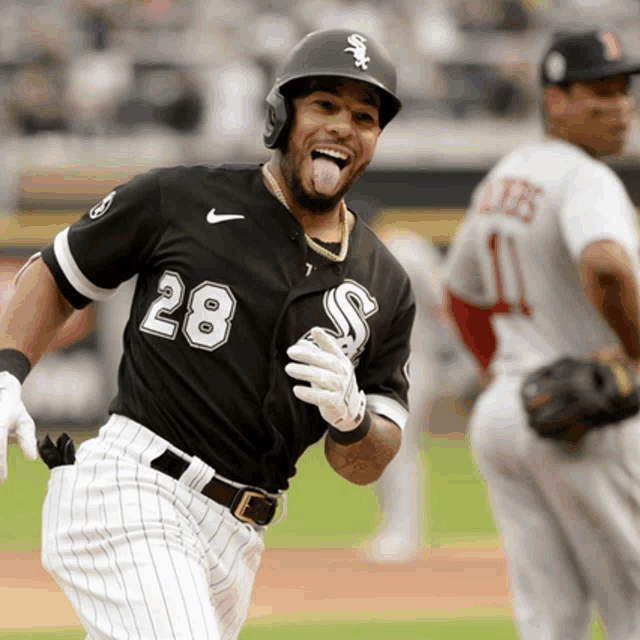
(355, 409)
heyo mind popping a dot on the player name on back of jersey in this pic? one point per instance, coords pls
(512, 197)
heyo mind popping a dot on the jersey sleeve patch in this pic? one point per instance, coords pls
(112, 241)
(388, 408)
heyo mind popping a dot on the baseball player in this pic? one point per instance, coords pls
(266, 315)
(544, 266)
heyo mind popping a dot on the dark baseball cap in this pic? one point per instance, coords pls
(573, 57)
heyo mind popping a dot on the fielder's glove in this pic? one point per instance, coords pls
(334, 389)
(14, 420)
(569, 397)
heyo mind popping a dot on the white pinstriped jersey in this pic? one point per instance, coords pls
(518, 248)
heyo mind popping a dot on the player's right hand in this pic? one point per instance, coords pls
(14, 420)
(333, 385)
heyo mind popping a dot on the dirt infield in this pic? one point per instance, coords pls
(303, 583)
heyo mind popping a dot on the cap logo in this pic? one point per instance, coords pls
(359, 50)
(555, 66)
(612, 46)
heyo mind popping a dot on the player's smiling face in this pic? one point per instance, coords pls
(332, 140)
(598, 114)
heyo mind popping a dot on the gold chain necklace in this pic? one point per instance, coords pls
(344, 236)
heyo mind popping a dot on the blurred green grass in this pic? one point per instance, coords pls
(327, 511)
(58, 634)
(21, 498)
(458, 505)
(478, 629)
(324, 510)
(463, 629)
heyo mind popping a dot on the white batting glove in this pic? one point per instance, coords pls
(334, 389)
(14, 420)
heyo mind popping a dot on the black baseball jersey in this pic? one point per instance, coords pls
(226, 283)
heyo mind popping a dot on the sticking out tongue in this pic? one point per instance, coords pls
(326, 174)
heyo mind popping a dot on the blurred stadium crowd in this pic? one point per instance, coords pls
(200, 69)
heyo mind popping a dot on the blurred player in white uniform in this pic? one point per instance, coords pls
(544, 265)
(438, 364)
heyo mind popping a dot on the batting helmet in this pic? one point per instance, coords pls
(341, 53)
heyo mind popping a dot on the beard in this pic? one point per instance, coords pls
(314, 204)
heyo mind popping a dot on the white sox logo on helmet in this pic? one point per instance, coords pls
(359, 50)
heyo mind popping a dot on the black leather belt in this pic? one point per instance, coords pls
(250, 504)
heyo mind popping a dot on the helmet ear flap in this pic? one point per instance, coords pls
(279, 115)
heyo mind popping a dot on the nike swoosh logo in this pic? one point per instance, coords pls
(213, 218)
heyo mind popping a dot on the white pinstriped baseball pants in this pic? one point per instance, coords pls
(140, 555)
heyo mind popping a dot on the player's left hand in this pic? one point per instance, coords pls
(334, 388)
